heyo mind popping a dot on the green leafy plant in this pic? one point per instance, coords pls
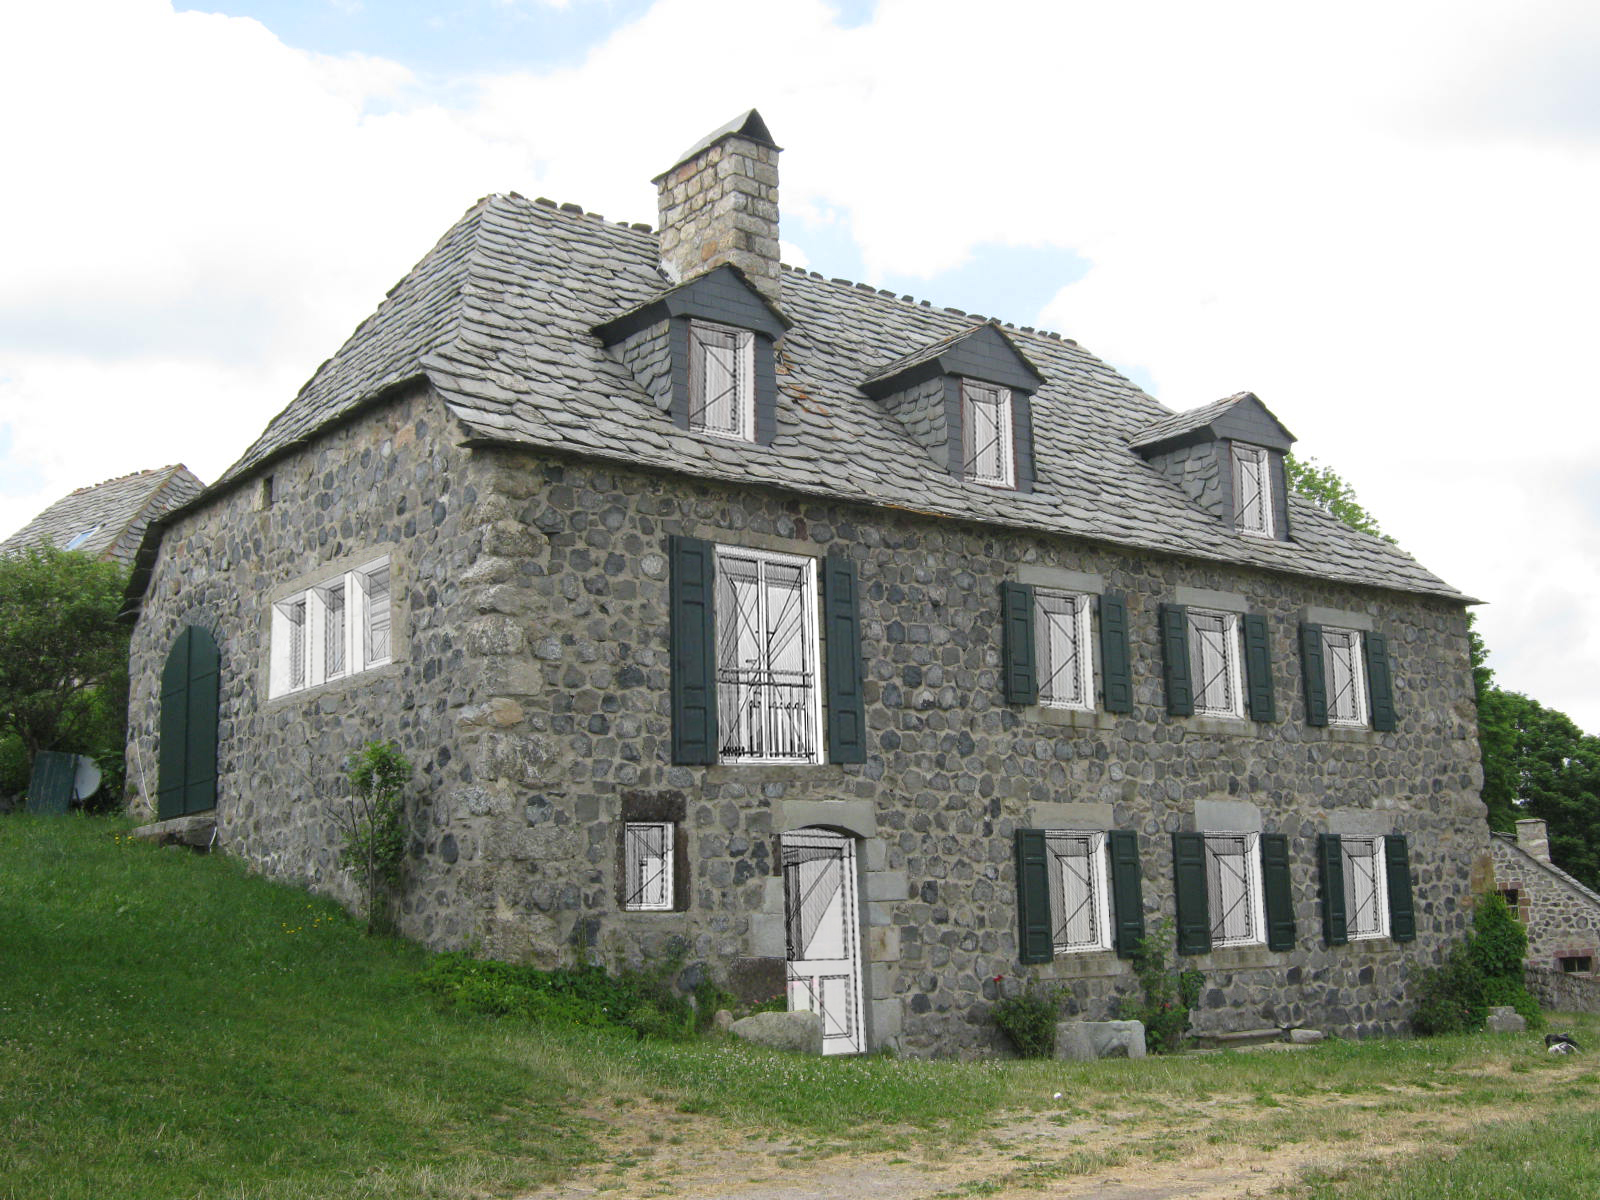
(1028, 1018)
(1169, 996)
(1480, 973)
(373, 824)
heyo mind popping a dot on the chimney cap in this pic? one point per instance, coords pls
(747, 124)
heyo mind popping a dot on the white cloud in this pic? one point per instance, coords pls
(1379, 217)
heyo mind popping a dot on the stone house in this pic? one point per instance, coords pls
(850, 646)
(1562, 916)
(108, 520)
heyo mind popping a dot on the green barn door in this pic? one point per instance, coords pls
(188, 754)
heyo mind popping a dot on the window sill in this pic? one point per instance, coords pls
(332, 686)
(1089, 964)
(1071, 718)
(1237, 958)
(1222, 726)
(1355, 735)
(764, 772)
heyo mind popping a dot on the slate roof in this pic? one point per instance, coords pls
(499, 318)
(114, 514)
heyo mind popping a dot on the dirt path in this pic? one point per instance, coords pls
(1214, 1150)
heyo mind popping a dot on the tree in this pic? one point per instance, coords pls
(373, 823)
(63, 653)
(1324, 487)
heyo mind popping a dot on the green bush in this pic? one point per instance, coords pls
(1481, 973)
(1029, 1018)
(1169, 996)
(372, 823)
(635, 1002)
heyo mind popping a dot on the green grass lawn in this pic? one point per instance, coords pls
(171, 1026)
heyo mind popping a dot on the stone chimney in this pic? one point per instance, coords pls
(1532, 839)
(719, 204)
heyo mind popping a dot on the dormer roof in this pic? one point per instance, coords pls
(723, 296)
(1240, 417)
(980, 352)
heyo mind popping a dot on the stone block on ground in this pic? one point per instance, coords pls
(797, 1031)
(1505, 1019)
(1084, 1041)
(1305, 1037)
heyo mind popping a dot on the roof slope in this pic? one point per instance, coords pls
(112, 514)
(499, 317)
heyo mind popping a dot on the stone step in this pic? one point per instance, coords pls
(1242, 1037)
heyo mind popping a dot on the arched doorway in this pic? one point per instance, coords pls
(822, 916)
(187, 760)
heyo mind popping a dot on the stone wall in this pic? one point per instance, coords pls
(531, 687)
(1557, 991)
(1561, 915)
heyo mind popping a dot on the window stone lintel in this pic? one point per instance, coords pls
(1061, 579)
(1194, 597)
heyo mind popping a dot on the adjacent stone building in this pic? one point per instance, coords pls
(851, 647)
(108, 520)
(1561, 915)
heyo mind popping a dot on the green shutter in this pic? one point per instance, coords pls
(847, 711)
(1127, 890)
(1174, 619)
(1116, 667)
(1019, 678)
(1315, 674)
(694, 651)
(1258, 667)
(186, 759)
(1034, 941)
(1189, 878)
(1402, 910)
(1277, 884)
(1380, 685)
(1335, 919)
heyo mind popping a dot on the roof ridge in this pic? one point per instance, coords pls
(574, 210)
(911, 301)
(120, 478)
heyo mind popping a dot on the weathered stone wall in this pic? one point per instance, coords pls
(1557, 991)
(1562, 916)
(531, 687)
(391, 482)
(952, 771)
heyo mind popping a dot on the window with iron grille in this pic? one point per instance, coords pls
(1366, 887)
(1233, 889)
(722, 381)
(338, 627)
(1080, 911)
(1345, 677)
(986, 435)
(768, 706)
(1252, 491)
(1214, 654)
(647, 865)
(1062, 647)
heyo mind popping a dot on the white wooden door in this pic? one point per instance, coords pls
(819, 895)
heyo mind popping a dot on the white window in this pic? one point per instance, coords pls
(722, 381)
(1214, 654)
(81, 537)
(1252, 491)
(1345, 677)
(647, 865)
(1062, 646)
(1233, 889)
(986, 437)
(768, 705)
(1366, 887)
(337, 628)
(1080, 911)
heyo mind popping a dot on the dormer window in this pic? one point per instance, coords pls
(986, 434)
(1252, 491)
(722, 381)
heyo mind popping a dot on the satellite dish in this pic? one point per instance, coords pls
(86, 782)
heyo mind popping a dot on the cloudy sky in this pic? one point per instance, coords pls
(1383, 218)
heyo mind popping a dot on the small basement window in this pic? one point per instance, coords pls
(1577, 964)
(647, 864)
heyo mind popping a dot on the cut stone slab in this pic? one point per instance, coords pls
(196, 831)
(797, 1031)
(1084, 1041)
(1305, 1037)
(1506, 1019)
